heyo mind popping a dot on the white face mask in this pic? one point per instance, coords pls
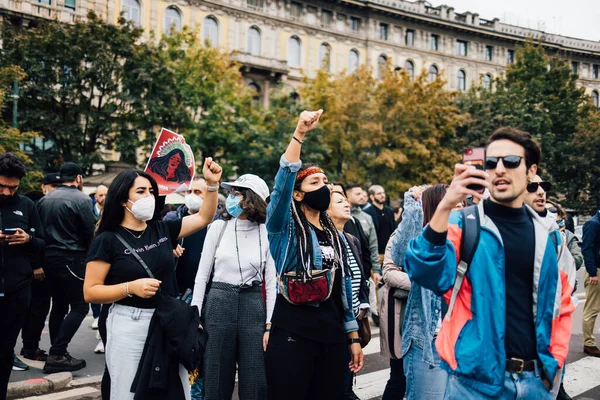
(193, 202)
(143, 209)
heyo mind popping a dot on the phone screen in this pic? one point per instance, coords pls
(475, 156)
(10, 231)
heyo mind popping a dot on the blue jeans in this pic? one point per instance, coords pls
(523, 386)
(423, 381)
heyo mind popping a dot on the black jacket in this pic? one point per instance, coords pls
(173, 338)
(354, 228)
(68, 219)
(373, 212)
(591, 245)
(18, 261)
(187, 265)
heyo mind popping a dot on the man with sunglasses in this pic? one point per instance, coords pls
(536, 197)
(507, 332)
(21, 241)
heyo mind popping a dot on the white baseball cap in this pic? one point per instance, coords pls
(249, 181)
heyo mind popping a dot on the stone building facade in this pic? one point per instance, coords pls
(280, 40)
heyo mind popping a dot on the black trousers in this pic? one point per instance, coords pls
(13, 310)
(299, 368)
(68, 306)
(36, 317)
(105, 387)
(396, 385)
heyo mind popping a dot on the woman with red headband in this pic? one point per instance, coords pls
(313, 323)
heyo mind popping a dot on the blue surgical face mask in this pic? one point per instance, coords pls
(561, 223)
(233, 206)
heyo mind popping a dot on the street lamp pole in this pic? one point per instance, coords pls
(15, 97)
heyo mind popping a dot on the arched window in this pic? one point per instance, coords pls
(255, 96)
(294, 52)
(461, 80)
(325, 56)
(381, 64)
(487, 81)
(211, 31)
(596, 98)
(353, 60)
(410, 68)
(254, 41)
(132, 11)
(433, 73)
(172, 20)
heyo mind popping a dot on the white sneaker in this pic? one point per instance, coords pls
(95, 324)
(99, 348)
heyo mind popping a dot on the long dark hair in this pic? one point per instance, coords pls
(254, 206)
(118, 193)
(304, 251)
(430, 199)
(159, 166)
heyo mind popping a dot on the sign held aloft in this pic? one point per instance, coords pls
(171, 163)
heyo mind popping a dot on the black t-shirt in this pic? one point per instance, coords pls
(322, 324)
(517, 231)
(155, 247)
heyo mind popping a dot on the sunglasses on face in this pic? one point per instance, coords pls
(510, 162)
(532, 187)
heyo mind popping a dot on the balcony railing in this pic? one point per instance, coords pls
(265, 63)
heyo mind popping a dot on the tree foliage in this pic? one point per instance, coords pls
(540, 95)
(11, 138)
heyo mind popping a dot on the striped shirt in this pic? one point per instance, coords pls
(356, 280)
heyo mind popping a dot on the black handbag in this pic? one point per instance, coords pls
(180, 322)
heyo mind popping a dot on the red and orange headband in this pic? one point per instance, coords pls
(307, 172)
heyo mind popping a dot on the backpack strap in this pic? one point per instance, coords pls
(468, 245)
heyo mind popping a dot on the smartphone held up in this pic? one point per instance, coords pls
(476, 157)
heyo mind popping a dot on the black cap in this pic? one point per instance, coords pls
(52, 179)
(69, 171)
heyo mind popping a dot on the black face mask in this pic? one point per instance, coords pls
(318, 199)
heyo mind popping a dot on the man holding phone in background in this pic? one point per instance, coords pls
(509, 330)
(20, 237)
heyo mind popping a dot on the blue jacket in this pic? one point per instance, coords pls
(471, 341)
(283, 241)
(423, 308)
(591, 244)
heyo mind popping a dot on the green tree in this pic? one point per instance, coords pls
(539, 94)
(73, 95)
(12, 138)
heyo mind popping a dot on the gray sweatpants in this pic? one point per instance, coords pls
(235, 322)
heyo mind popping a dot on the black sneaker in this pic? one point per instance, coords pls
(35, 355)
(562, 394)
(64, 363)
(19, 365)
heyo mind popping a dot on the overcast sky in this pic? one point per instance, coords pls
(574, 18)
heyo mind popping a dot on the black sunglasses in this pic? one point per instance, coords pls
(532, 187)
(510, 162)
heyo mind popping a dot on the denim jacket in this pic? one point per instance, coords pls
(423, 308)
(283, 241)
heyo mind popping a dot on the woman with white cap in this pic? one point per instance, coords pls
(235, 262)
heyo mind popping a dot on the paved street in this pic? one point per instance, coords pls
(582, 377)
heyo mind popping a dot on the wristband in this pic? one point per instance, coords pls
(127, 290)
(212, 188)
(298, 140)
(354, 340)
(267, 329)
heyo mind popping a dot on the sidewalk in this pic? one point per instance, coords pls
(55, 387)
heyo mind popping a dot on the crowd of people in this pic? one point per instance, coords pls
(472, 284)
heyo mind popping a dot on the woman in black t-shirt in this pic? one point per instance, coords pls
(114, 275)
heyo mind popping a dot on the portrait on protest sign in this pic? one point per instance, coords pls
(171, 163)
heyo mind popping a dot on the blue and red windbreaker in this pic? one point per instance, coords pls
(471, 342)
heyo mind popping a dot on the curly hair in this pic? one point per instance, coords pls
(12, 166)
